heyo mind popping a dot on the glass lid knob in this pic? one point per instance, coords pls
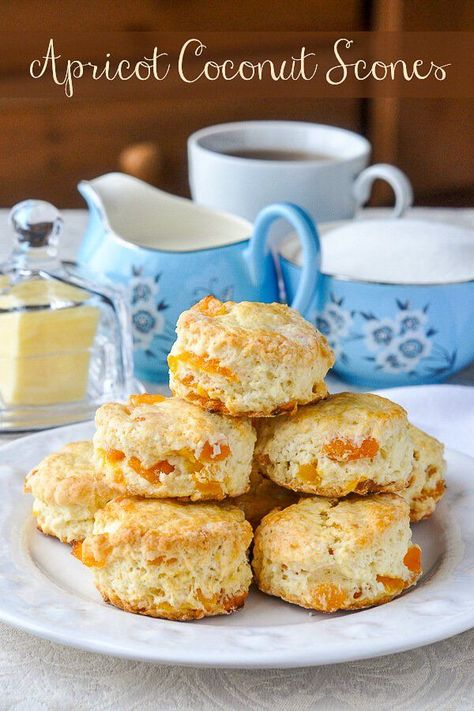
(37, 224)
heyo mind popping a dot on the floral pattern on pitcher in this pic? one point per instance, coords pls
(223, 293)
(149, 326)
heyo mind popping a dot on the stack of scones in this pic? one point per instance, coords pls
(166, 501)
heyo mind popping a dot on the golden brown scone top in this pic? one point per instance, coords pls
(169, 423)
(69, 477)
(271, 328)
(348, 408)
(129, 518)
(362, 518)
(157, 527)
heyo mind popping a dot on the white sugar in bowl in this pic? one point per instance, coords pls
(395, 299)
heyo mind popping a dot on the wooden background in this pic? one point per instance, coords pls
(47, 146)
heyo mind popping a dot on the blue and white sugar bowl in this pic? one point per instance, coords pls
(395, 298)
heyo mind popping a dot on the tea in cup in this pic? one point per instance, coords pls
(242, 167)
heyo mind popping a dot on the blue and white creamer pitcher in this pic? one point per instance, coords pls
(171, 252)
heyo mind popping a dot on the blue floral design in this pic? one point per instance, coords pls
(383, 335)
(411, 348)
(379, 333)
(335, 322)
(411, 320)
(323, 325)
(143, 321)
(141, 292)
(389, 362)
(149, 326)
(404, 343)
(223, 293)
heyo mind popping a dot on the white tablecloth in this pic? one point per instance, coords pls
(39, 675)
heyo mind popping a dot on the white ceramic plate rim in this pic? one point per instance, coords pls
(442, 606)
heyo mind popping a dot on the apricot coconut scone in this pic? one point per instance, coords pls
(163, 558)
(262, 497)
(248, 358)
(166, 447)
(426, 484)
(350, 442)
(337, 554)
(68, 490)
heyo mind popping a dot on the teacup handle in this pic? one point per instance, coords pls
(259, 248)
(394, 177)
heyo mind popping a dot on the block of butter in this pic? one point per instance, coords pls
(46, 335)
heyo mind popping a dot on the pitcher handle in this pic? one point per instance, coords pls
(259, 248)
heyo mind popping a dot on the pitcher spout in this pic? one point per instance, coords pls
(97, 224)
(137, 214)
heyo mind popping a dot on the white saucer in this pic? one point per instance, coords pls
(47, 592)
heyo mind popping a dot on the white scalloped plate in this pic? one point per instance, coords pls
(47, 592)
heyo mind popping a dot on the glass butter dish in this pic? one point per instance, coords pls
(65, 338)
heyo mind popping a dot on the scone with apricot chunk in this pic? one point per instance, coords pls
(248, 358)
(171, 559)
(262, 497)
(337, 554)
(350, 442)
(166, 447)
(68, 490)
(426, 484)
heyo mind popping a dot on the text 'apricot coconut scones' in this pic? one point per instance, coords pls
(166, 447)
(349, 442)
(248, 358)
(337, 554)
(180, 561)
(426, 484)
(68, 490)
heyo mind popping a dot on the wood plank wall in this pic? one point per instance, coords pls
(46, 147)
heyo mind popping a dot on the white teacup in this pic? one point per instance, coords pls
(242, 167)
